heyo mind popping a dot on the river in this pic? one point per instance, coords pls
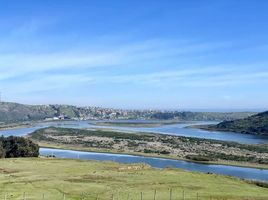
(240, 172)
(173, 129)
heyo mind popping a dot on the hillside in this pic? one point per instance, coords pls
(14, 112)
(10, 112)
(57, 179)
(256, 124)
(200, 116)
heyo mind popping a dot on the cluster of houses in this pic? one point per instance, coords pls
(56, 118)
(95, 113)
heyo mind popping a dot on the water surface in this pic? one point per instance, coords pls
(172, 129)
(240, 172)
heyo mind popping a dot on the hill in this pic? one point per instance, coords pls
(200, 116)
(11, 112)
(57, 179)
(256, 124)
(14, 112)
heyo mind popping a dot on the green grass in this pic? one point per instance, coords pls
(86, 179)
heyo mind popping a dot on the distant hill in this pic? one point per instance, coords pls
(12, 112)
(201, 116)
(15, 112)
(19, 112)
(256, 124)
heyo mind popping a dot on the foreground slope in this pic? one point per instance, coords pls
(35, 177)
(256, 124)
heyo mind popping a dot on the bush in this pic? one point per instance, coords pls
(12, 147)
(2, 151)
(164, 152)
(198, 158)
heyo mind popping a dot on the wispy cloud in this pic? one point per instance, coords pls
(102, 53)
(198, 78)
(159, 51)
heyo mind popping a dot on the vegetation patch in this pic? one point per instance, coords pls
(198, 158)
(152, 144)
(256, 124)
(12, 147)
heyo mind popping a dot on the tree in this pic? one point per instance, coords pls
(13, 147)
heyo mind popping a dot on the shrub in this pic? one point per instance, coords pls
(198, 158)
(12, 147)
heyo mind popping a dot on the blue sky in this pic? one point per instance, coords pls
(180, 54)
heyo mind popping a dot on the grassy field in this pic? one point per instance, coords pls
(76, 179)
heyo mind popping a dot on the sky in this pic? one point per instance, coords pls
(142, 54)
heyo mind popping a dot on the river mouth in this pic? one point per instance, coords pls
(239, 172)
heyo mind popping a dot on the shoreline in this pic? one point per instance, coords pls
(94, 150)
(16, 126)
(210, 129)
(132, 124)
(77, 148)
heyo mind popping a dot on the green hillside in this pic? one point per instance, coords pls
(256, 124)
(12, 112)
